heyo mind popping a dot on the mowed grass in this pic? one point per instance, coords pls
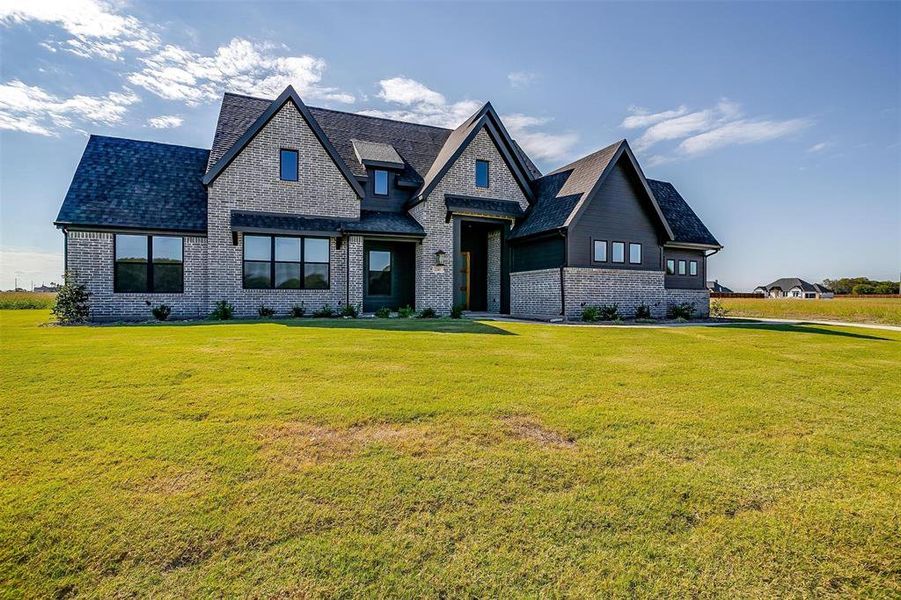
(448, 459)
(26, 300)
(886, 311)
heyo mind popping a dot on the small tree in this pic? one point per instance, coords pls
(72, 301)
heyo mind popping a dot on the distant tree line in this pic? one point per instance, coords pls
(861, 286)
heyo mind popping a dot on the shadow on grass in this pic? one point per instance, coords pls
(802, 328)
(423, 325)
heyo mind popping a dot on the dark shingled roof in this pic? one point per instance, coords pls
(716, 286)
(787, 283)
(131, 183)
(468, 204)
(686, 225)
(275, 222)
(387, 223)
(417, 144)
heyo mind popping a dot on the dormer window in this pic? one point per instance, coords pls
(380, 182)
(482, 173)
(288, 165)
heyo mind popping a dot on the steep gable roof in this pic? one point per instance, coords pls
(687, 227)
(417, 145)
(136, 184)
(461, 137)
(289, 95)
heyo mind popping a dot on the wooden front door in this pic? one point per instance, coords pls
(465, 274)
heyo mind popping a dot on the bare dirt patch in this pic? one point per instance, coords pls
(527, 428)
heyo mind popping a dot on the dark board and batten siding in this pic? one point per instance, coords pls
(686, 282)
(619, 212)
(543, 253)
(396, 199)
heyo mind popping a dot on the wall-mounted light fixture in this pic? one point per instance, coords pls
(439, 258)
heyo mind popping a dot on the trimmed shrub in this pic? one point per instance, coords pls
(223, 311)
(405, 312)
(326, 312)
(351, 311)
(684, 310)
(161, 312)
(297, 311)
(591, 313)
(72, 302)
(643, 312)
(609, 312)
(456, 311)
(383, 313)
(265, 312)
(427, 313)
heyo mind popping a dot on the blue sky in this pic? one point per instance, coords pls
(779, 123)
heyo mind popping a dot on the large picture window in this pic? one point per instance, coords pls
(379, 273)
(148, 264)
(286, 263)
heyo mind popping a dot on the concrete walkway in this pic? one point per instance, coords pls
(726, 321)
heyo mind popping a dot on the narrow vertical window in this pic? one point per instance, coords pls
(287, 263)
(693, 267)
(681, 267)
(482, 173)
(315, 263)
(288, 165)
(379, 273)
(670, 266)
(635, 254)
(619, 252)
(168, 264)
(131, 274)
(380, 182)
(257, 261)
(600, 251)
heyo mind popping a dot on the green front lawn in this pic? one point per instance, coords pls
(423, 458)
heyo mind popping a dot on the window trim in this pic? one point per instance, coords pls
(683, 267)
(613, 254)
(296, 165)
(149, 286)
(594, 243)
(640, 253)
(390, 272)
(272, 262)
(668, 261)
(387, 183)
(692, 266)
(487, 164)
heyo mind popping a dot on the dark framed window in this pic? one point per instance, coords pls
(619, 252)
(379, 273)
(380, 182)
(286, 263)
(148, 264)
(693, 267)
(670, 266)
(635, 254)
(482, 178)
(288, 165)
(599, 250)
(681, 267)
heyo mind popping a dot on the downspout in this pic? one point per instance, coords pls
(562, 279)
(347, 275)
(65, 252)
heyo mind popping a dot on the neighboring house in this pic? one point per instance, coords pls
(296, 204)
(716, 286)
(53, 287)
(792, 287)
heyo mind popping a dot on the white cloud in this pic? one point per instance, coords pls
(241, 66)
(539, 145)
(29, 265)
(97, 28)
(820, 147)
(165, 121)
(521, 79)
(740, 132)
(701, 131)
(640, 117)
(30, 109)
(402, 90)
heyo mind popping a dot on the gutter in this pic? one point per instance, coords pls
(562, 233)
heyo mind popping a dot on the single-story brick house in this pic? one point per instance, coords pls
(295, 204)
(794, 287)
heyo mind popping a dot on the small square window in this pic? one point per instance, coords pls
(635, 254)
(380, 182)
(619, 252)
(482, 173)
(288, 166)
(670, 266)
(600, 251)
(693, 267)
(681, 267)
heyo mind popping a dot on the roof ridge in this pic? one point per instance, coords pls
(344, 112)
(125, 139)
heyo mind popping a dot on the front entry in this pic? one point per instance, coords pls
(480, 266)
(388, 275)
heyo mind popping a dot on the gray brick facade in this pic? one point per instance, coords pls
(700, 299)
(625, 288)
(535, 293)
(494, 271)
(435, 285)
